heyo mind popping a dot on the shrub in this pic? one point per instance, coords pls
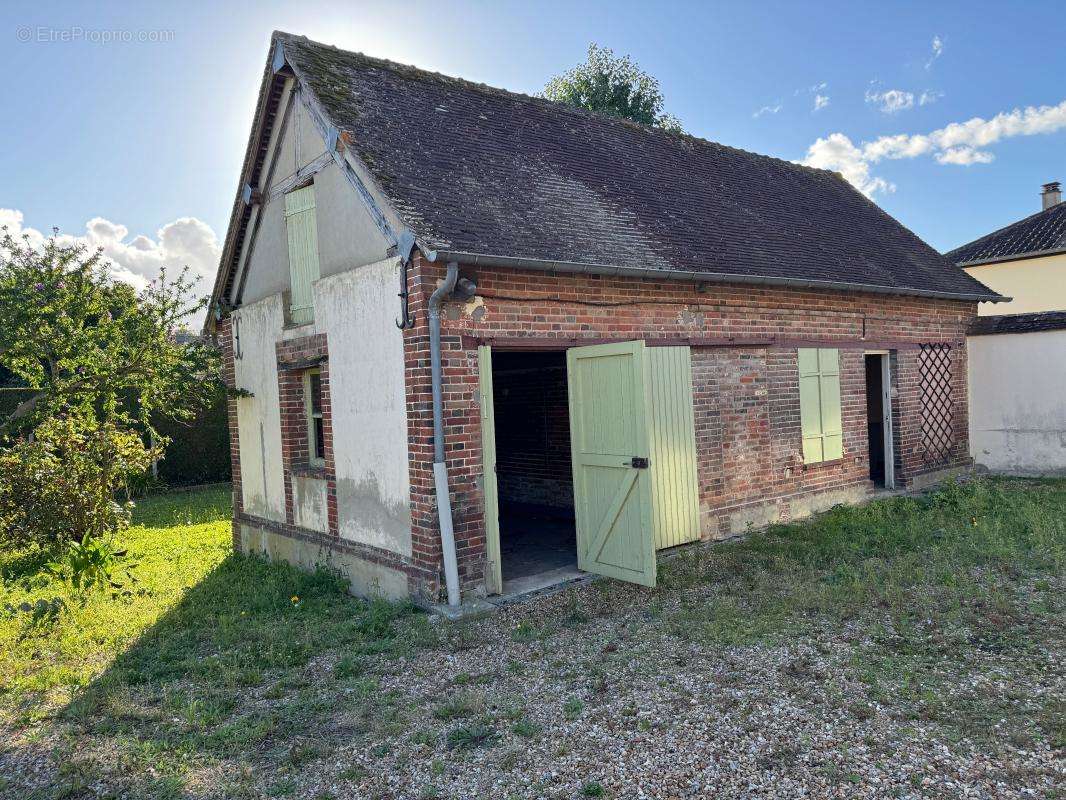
(60, 485)
(93, 564)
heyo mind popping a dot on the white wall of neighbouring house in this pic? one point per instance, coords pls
(1036, 284)
(1018, 402)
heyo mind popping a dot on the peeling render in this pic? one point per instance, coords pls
(259, 414)
(356, 310)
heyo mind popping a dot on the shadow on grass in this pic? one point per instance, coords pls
(244, 666)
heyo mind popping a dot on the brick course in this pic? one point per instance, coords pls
(295, 357)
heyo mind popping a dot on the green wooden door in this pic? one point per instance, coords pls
(673, 446)
(609, 399)
(493, 573)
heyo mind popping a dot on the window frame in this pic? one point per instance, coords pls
(310, 417)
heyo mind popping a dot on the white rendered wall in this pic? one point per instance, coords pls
(1018, 402)
(259, 416)
(356, 310)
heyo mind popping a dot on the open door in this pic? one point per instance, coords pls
(610, 444)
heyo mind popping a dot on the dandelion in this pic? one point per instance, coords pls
(294, 599)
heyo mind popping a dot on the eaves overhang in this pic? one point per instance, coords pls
(980, 262)
(654, 273)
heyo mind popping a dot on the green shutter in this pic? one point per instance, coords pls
(303, 251)
(673, 446)
(819, 379)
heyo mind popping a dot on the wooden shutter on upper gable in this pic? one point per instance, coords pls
(302, 231)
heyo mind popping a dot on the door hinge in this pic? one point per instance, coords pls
(638, 463)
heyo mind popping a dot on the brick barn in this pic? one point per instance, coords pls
(482, 342)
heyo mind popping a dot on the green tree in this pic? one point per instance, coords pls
(94, 363)
(615, 86)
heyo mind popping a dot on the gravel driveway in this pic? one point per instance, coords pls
(611, 705)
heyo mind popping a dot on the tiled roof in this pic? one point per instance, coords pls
(477, 170)
(1041, 233)
(1019, 323)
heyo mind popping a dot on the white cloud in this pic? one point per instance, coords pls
(837, 152)
(820, 101)
(937, 49)
(766, 110)
(891, 101)
(961, 143)
(964, 156)
(186, 241)
(929, 96)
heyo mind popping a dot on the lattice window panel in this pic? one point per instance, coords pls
(937, 435)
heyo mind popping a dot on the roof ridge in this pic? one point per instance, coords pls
(399, 67)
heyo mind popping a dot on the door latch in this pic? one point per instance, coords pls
(638, 463)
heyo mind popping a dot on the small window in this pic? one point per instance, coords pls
(819, 379)
(302, 231)
(316, 438)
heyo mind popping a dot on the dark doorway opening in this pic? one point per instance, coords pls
(875, 417)
(534, 479)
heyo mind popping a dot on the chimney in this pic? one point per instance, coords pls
(1052, 195)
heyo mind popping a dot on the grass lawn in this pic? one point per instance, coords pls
(225, 676)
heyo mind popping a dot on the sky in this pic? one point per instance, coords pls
(125, 124)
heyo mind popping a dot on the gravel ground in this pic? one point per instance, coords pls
(592, 693)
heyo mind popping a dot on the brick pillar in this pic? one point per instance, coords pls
(225, 335)
(462, 434)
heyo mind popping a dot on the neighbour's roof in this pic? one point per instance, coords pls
(516, 180)
(1019, 323)
(1043, 233)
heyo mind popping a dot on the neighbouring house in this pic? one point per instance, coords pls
(1016, 359)
(482, 341)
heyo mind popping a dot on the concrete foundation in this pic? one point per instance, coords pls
(365, 578)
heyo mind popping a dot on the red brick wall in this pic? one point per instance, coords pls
(224, 332)
(295, 357)
(746, 392)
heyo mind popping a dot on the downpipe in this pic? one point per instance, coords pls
(440, 469)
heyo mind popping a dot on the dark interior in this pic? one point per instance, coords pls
(533, 475)
(875, 418)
